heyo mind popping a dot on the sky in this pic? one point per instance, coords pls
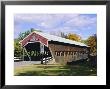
(84, 25)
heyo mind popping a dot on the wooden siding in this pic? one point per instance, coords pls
(64, 54)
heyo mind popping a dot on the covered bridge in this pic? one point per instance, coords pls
(39, 45)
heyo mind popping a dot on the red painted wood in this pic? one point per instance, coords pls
(37, 38)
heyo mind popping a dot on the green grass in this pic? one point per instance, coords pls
(82, 69)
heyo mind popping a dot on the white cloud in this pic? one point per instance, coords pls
(81, 21)
(54, 23)
(54, 20)
(44, 24)
(45, 20)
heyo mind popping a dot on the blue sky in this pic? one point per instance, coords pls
(84, 25)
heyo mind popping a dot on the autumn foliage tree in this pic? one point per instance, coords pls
(92, 42)
(74, 37)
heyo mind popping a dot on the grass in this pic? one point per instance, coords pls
(81, 69)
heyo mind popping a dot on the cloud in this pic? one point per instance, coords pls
(81, 21)
(44, 20)
(54, 23)
(53, 20)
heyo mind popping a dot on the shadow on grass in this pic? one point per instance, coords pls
(78, 68)
(67, 70)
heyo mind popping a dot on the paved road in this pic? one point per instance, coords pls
(24, 63)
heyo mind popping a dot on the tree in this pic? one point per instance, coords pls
(74, 37)
(26, 33)
(92, 42)
(63, 35)
(17, 48)
(84, 41)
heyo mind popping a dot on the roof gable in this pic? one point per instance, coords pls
(33, 37)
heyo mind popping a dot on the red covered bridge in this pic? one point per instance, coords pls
(39, 45)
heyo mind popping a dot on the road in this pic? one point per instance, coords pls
(24, 63)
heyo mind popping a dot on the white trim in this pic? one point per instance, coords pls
(41, 48)
(51, 53)
(23, 53)
(27, 54)
(35, 41)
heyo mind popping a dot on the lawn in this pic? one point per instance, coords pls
(81, 69)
